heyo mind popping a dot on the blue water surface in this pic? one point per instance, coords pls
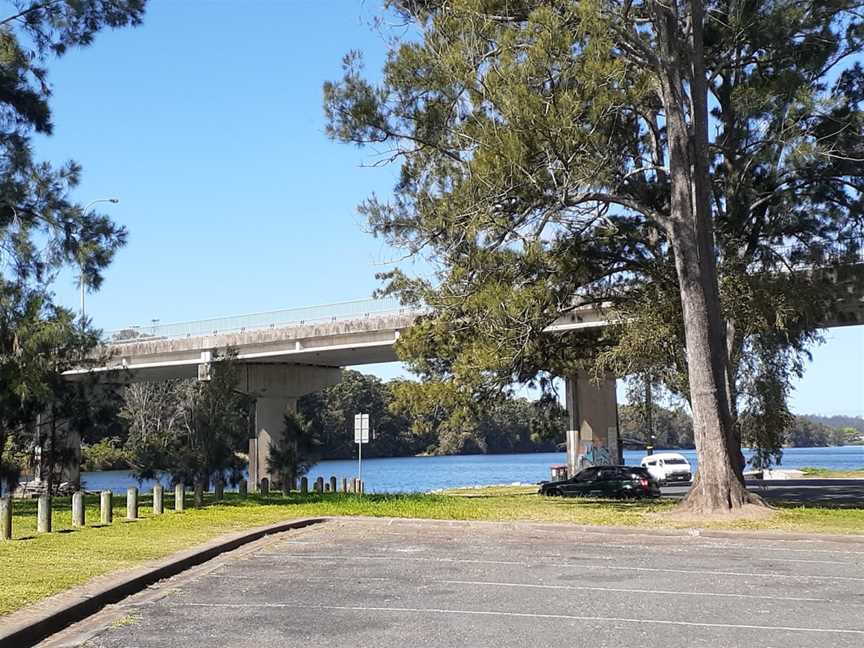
(421, 474)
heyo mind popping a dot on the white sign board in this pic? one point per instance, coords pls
(361, 428)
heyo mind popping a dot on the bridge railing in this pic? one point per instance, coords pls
(342, 311)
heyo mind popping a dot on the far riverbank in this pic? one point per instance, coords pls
(423, 474)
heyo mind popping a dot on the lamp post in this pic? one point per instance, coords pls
(81, 260)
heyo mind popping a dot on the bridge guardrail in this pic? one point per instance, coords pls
(341, 311)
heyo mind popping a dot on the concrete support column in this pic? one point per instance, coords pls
(276, 388)
(269, 424)
(592, 437)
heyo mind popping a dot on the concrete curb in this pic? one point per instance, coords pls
(31, 625)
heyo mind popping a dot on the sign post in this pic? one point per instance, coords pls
(361, 436)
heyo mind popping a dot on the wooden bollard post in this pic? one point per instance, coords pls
(78, 509)
(355, 485)
(344, 485)
(158, 499)
(304, 485)
(327, 487)
(243, 488)
(219, 490)
(43, 519)
(362, 486)
(265, 486)
(198, 493)
(180, 498)
(6, 517)
(319, 485)
(332, 484)
(106, 512)
(132, 503)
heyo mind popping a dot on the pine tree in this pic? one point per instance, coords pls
(41, 227)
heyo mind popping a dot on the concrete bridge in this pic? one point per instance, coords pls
(285, 354)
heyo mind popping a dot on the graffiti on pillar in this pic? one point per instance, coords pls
(594, 454)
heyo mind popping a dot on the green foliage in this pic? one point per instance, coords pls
(42, 229)
(295, 453)
(107, 454)
(538, 176)
(331, 411)
(806, 434)
(409, 418)
(188, 428)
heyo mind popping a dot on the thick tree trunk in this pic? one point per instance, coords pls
(718, 486)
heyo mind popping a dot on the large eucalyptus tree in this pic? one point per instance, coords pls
(673, 160)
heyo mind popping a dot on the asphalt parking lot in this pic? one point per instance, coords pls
(836, 493)
(388, 583)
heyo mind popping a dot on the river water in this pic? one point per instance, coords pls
(421, 474)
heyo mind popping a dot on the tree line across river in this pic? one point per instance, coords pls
(513, 425)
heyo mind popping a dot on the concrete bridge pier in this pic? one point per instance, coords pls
(592, 435)
(276, 388)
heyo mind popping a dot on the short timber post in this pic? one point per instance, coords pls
(332, 483)
(198, 493)
(132, 503)
(304, 486)
(242, 488)
(344, 485)
(43, 521)
(319, 485)
(219, 490)
(106, 513)
(158, 500)
(180, 497)
(326, 487)
(265, 486)
(6, 517)
(77, 509)
(362, 486)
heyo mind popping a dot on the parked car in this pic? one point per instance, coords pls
(605, 481)
(668, 467)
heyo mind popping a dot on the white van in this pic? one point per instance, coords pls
(668, 467)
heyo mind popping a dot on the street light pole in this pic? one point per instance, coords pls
(80, 260)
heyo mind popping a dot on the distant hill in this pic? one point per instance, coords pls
(839, 421)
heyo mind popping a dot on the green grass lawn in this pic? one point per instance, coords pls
(828, 473)
(35, 566)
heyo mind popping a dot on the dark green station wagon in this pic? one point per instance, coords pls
(605, 481)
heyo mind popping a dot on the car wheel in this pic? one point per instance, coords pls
(553, 492)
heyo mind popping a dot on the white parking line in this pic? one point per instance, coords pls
(529, 615)
(586, 565)
(627, 590)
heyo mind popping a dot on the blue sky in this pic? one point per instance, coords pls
(207, 123)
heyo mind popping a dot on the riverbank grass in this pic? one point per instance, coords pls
(828, 473)
(33, 566)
